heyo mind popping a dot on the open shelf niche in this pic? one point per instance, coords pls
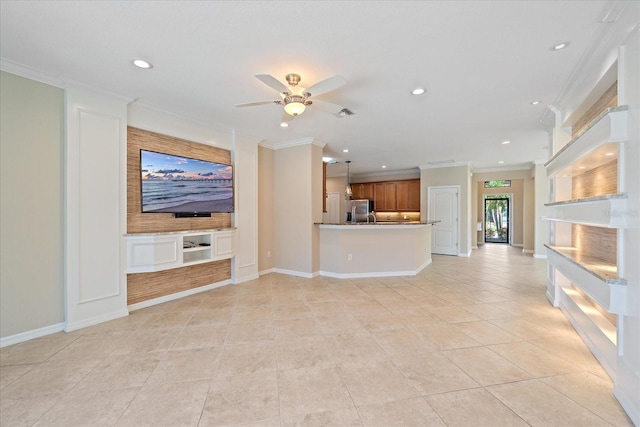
(587, 195)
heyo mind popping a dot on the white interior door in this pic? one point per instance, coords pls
(443, 207)
(332, 216)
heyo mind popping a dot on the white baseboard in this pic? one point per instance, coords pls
(629, 403)
(465, 255)
(29, 335)
(474, 247)
(69, 327)
(376, 273)
(517, 245)
(527, 251)
(295, 273)
(177, 295)
(348, 275)
(267, 271)
(543, 256)
(246, 278)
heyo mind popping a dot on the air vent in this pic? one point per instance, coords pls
(345, 112)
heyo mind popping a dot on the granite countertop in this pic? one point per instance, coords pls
(381, 223)
(588, 199)
(163, 233)
(605, 272)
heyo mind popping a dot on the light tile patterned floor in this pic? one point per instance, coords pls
(467, 342)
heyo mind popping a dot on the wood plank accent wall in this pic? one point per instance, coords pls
(596, 182)
(145, 286)
(607, 100)
(137, 222)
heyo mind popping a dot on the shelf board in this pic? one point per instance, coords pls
(590, 148)
(596, 278)
(600, 211)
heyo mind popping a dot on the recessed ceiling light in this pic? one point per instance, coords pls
(505, 142)
(609, 154)
(141, 63)
(418, 91)
(582, 167)
(284, 125)
(536, 102)
(559, 46)
(327, 159)
(501, 161)
(346, 150)
(384, 166)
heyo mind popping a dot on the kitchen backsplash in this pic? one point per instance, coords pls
(398, 216)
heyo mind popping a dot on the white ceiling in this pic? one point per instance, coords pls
(482, 63)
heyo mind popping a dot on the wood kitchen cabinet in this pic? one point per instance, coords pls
(362, 191)
(390, 196)
(408, 195)
(384, 196)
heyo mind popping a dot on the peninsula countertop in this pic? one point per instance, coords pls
(379, 224)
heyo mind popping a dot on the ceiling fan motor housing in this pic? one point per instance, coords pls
(293, 79)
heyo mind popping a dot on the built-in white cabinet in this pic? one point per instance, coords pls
(588, 208)
(161, 251)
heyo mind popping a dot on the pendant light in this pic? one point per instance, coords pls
(347, 190)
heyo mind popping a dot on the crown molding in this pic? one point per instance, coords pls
(31, 73)
(382, 174)
(293, 143)
(505, 169)
(444, 165)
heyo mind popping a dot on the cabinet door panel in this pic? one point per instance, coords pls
(390, 196)
(378, 197)
(409, 195)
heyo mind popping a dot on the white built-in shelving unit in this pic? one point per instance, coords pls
(589, 288)
(148, 252)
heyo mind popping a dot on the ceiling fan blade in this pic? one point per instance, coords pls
(253, 104)
(327, 107)
(327, 85)
(272, 82)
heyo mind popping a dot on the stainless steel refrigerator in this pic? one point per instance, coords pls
(360, 209)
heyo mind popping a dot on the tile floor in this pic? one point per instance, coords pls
(467, 342)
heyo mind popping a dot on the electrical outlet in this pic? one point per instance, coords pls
(349, 257)
(268, 254)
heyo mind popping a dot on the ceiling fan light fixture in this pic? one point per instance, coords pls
(294, 108)
(348, 192)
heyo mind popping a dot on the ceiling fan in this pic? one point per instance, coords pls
(296, 99)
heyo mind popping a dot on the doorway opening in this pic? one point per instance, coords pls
(497, 218)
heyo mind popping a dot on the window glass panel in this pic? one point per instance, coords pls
(497, 183)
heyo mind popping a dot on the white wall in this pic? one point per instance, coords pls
(31, 208)
(453, 175)
(266, 210)
(541, 230)
(297, 184)
(95, 207)
(627, 381)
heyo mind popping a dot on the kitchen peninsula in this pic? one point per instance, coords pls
(374, 249)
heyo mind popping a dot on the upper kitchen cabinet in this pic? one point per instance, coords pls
(408, 195)
(390, 196)
(385, 196)
(363, 191)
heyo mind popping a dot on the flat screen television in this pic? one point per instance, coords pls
(184, 186)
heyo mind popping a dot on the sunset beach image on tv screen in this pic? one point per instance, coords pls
(183, 185)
